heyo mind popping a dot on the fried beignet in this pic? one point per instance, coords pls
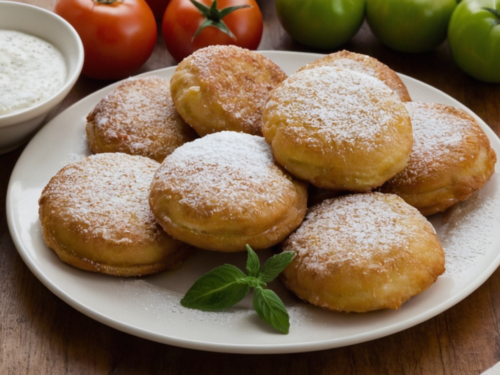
(224, 191)
(338, 129)
(224, 88)
(362, 252)
(451, 158)
(138, 118)
(95, 215)
(364, 64)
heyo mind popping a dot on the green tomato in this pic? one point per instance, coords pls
(324, 24)
(474, 38)
(410, 25)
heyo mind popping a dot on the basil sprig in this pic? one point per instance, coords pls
(227, 285)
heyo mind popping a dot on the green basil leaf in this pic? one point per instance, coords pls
(253, 263)
(270, 309)
(274, 265)
(218, 289)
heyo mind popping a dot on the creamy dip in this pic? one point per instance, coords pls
(31, 71)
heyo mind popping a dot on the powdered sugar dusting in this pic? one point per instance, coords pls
(352, 64)
(335, 104)
(354, 228)
(237, 80)
(363, 64)
(470, 230)
(140, 118)
(164, 305)
(225, 169)
(437, 135)
(106, 196)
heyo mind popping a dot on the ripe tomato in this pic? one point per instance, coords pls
(474, 38)
(182, 19)
(410, 25)
(324, 24)
(118, 36)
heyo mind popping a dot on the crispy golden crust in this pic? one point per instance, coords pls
(451, 159)
(224, 88)
(338, 129)
(95, 215)
(362, 252)
(364, 64)
(224, 191)
(138, 118)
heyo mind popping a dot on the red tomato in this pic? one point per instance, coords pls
(158, 7)
(182, 19)
(118, 37)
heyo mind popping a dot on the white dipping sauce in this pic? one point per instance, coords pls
(31, 71)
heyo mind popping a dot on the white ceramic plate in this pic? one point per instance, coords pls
(149, 307)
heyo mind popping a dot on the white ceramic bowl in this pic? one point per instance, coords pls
(17, 127)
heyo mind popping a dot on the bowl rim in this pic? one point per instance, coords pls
(40, 108)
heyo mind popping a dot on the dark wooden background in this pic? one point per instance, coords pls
(40, 334)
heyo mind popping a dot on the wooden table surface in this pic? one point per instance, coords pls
(40, 334)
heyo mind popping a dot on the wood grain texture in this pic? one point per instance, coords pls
(40, 334)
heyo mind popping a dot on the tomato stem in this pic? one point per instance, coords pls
(214, 17)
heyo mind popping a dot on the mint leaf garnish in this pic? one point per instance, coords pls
(274, 265)
(253, 263)
(218, 289)
(226, 285)
(270, 309)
